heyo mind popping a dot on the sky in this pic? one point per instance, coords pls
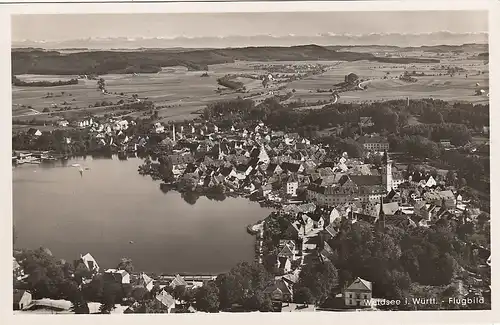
(71, 26)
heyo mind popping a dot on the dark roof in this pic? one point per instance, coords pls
(253, 162)
(255, 153)
(226, 170)
(18, 295)
(271, 167)
(363, 180)
(291, 167)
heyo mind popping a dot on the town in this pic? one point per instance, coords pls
(353, 224)
(321, 161)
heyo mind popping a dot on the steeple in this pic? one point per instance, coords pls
(387, 171)
(381, 214)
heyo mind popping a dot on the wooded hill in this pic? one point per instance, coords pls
(150, 61)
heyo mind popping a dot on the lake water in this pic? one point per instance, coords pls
(111, 205)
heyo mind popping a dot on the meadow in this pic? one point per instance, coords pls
(180, 93)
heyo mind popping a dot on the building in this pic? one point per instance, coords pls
(166, 301)
(158, 128)
(387, 172)
(292, 184)
(374, 143)
(18, 271)
(361, 188)
(89, 262)
(85, 123)
(34, 132)
(178, 281)
(146, 281)
(63, 123)
(22, 299)
(119, 276)
(358, 294)
(280, 290)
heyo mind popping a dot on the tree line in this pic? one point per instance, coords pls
(21, 83)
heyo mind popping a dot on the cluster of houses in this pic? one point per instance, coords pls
(289, 169)
(162, 298)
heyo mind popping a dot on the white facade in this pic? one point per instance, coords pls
(358, 294)
(291, 188)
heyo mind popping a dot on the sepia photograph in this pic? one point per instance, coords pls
(236, 162)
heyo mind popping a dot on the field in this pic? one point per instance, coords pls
(445, 87)
(181, 93)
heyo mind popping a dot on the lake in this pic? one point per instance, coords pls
(112, 212)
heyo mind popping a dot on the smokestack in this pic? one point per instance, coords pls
(173, 132)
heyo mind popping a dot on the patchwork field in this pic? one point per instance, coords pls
(180, 92)
(456, 88)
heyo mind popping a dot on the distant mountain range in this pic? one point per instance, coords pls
(327, 39)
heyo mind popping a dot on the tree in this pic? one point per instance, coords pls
(243, 284)
(320, 278)
(179, 292)
(482, 219)
(266, 304)
(45, 274)
(79, 305)
(110, 296)
(101, 85)
(126, 264)
(303, 295)
(140, 293)
(166, 171)
(207, 298)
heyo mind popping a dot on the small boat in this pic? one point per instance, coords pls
(87, 168)
(131, 242)
(75, 165)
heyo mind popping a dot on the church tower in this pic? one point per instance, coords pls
(173, 132)
(387, 172)
(381, 214)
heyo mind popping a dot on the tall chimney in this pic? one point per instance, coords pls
(173, 132)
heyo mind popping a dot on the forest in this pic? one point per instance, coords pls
(151, 61)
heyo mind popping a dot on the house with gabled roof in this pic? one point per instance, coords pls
(291, 185)
(283, 264)
(287, 252)
(317, 218)
(325, 252)
(178, 281)
(89, 262)
(287, 242)
(118, 276)
(333, 217)
(273, 169)
(358, 294)
(279, 291)
(329, 232)
(22, 299)
(146, 282)
(34, 132)
(165, 301)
